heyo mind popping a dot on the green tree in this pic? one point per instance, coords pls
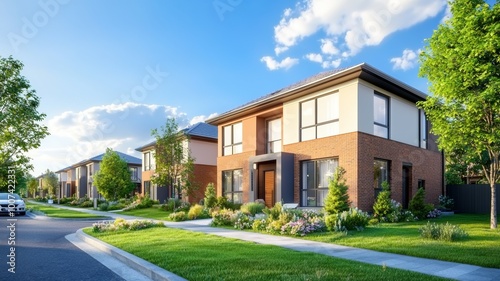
(20, 128)
(337, 199)
(50, 183)
(417, 205)
(31, 187)
(210, 196)
(462, 64)
(383, 206)
(174, 164)
(113, 179)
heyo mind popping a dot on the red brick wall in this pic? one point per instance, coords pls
(203, 175)
(356, 153)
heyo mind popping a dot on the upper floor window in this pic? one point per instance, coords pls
(319, 117)
(274, 136)
(423, 129)
(233, 139)
(381, 116)
(149, 161)
(134, 173)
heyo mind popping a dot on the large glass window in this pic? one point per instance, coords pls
(380, 174)
(423, 130)
(232, 185)
(274, 136)
(233, 139)
(149, 161)
(381, 116)
(319, 117)
(315, 178)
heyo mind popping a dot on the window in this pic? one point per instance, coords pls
(232, 185)
(319, 117)
(421, 184)
(380, 174)
(274, 136)
(134, 173)
(149, 161)
(316, 177)
(233, 139)
(147, 188)
(381, 116)
(423, 129)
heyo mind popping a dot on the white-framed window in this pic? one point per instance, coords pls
(232, 139)
(423, 129)
(319, 117)
(274, 136)
(381, 115)
(315, 178)
(149, 161)
(232, 188)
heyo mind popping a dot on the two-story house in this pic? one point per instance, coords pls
(201, 142)
(77, 179)
(286, 145)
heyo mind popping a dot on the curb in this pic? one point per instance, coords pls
(148, 269)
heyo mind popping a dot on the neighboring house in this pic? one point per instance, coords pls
(202, 143)
(77, 179)
(285, 146)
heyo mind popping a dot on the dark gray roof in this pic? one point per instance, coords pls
(128, 158)
(369, 74)
(199, 129)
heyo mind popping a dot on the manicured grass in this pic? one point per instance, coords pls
(60, 213)
(151, 213)
(198, 256)
(482, 247)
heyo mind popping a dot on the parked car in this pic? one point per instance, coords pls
(11, 202)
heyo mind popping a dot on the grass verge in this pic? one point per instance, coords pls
(198, 256)
(60, 213)
(481, 248)
(154, 212)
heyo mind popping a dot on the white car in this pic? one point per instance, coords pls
(12, 203)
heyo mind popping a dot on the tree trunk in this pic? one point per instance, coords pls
(493, 215)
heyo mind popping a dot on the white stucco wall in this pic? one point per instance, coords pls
(403, 121)
(204, 153)
(365, 109)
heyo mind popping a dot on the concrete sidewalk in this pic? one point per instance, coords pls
(427, 266)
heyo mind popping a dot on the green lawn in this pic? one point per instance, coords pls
(198, 256)
(60, 213)
(481, 248)
(151, 213)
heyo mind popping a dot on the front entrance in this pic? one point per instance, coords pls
(269, 188)
(406, 186)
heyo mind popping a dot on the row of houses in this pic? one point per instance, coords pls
(286, 145)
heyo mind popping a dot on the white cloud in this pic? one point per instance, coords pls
(272, 64)
(78, 135)
(349, 26)
(201, 118)
(331, 63)
(315, 57)
(407, 61)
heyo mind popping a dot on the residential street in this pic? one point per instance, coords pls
(43, 253)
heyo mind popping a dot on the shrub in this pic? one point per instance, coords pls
(445, 232)
(337, 199)
(222, 217)
(141, 202)
(177, 216)
(383, 206)
(242, 220)
(274, 212)
(252, 208)
(303, 224)
(354, 219)
(121, 224)
(435, 213)
(259, 225)
(103, 206)
(210, 196)
(86, 204)
(417, 205)
(176, 205)
(195, 212)
(446, 202)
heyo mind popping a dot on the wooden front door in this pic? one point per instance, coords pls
(269, 186)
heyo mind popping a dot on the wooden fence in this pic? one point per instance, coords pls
(472, 198)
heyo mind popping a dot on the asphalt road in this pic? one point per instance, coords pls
(41, 252)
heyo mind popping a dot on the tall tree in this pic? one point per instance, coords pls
(50, 183)
(462, 64)
(113, 179)
(31, 187)
(174, 164)
(20, 128)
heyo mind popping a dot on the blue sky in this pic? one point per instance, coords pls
(108, 72)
